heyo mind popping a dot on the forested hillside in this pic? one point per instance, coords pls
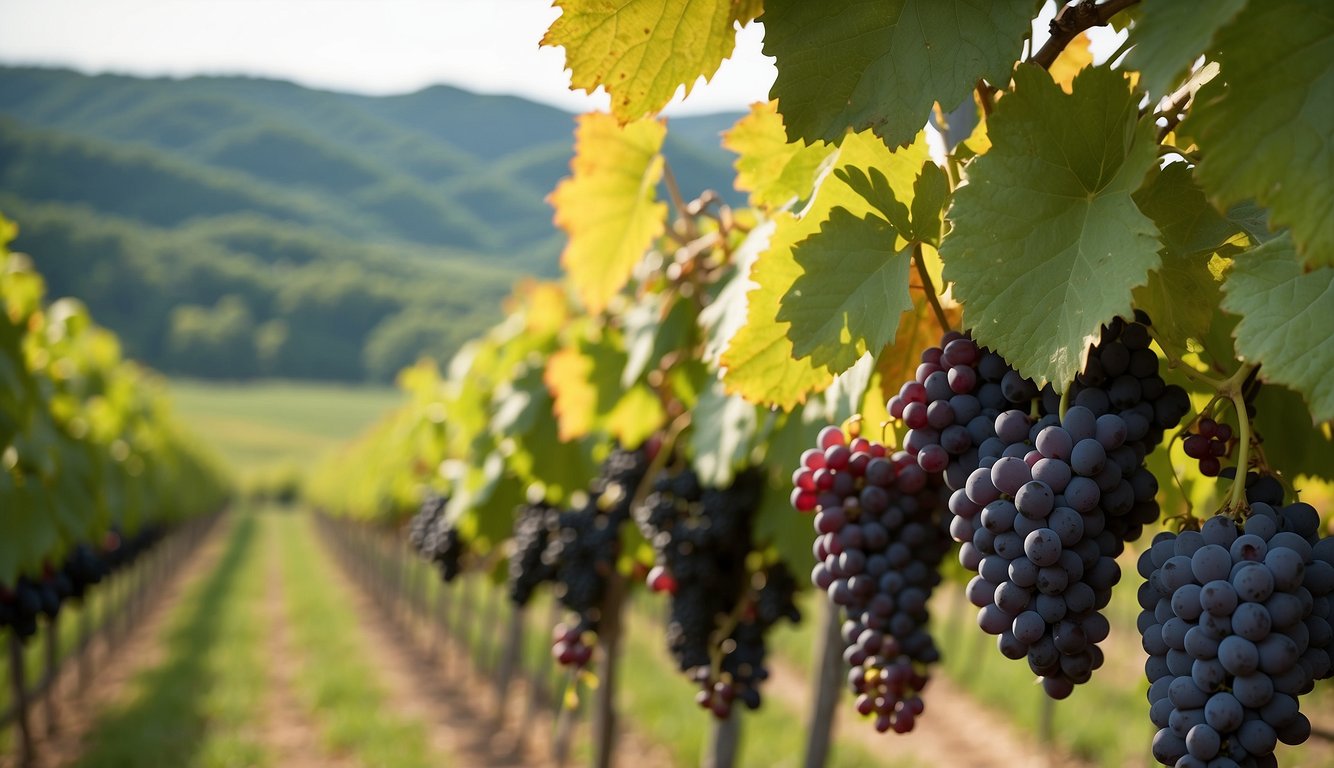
(236, 227)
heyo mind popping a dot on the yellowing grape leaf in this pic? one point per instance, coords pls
(1286, 316)
(775, 172)
(1047, 243)
(642, 51)
(569, 376)
(1074, 58)
(1265, 127)
(846, 64)
(759, 361)
(608, 207)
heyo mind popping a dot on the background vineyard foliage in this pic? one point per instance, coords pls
(88, 442)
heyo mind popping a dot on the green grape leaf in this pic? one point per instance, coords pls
(776, 173)
(607, 207)
(1182, 294)
(1286, 316)
(722, 435)
(643, 51)
(846, 396)
(931, 192)
(1047, 243)
(1265, 127)
(759, 362)
(853, 288)
(846, 65)
(874, 189)
(1169, 35)
(1294, 446)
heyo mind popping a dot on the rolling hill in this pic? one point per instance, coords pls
(237, 227)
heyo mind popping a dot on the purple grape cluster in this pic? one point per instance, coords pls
(1035, 523)
(701, 538)
(878, 552)
(1236, 622)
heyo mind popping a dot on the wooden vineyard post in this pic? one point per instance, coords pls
(604, 698)
(19, 699)
(51, 641)
(724, 738)
(828, 685)
(85, 640)
(487, 658)
(510, 658)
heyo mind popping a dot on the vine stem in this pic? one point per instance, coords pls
(1234, 390)
(1065, 403)
(929, 288)
(1073, 19)
(678, 201)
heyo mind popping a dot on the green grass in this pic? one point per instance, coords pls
(266, 426)
(198, 707)
(334, 678)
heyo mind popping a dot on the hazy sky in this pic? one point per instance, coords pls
(367, 46)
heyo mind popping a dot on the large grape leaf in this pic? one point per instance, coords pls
(854, 285)
(1182, 294)
(642, 51)
(1265, 128)
(1047, 243)
(608, 206)
(1286, 316)
(722, 436)
(774, 171)
(846, 64)
(759, 361)
(1170, 34)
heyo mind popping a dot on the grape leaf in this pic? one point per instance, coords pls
(853, 65)
(930, 193)
(643, 51)
(722, 436)
(1265, 128)
(853, 287)
(1182, 294)
(1074, 57)
(1286, 317)
(607, 206)
(776, 173)
(1297, 447)
(727, 314)
(1170, 35)
(1046, 242)
(759, 362)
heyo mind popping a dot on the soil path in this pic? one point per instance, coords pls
(289, 733)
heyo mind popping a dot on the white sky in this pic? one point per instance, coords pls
(364, 46)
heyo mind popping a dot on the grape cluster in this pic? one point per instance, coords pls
(1236, 622)
(878, 551)
(528, 569)
(702, 538)
(436, 538)
(1208, 444)
(582, 550)
(771, 599)
(24, 603)
(951, 405)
